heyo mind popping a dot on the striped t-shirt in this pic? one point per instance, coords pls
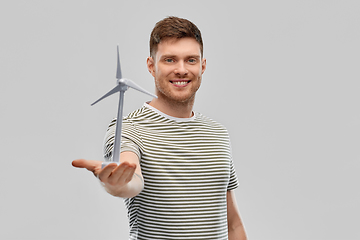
(187, 168)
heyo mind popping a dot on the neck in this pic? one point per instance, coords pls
(173, 108)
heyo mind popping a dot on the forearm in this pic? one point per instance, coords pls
(237, 233)
(131, 189)
(236, 230)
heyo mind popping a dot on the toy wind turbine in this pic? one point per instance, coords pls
(122, 85)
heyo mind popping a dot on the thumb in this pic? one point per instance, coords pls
(90, 165)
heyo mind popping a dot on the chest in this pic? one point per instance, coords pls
(193, 157)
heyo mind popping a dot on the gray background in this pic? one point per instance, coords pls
(282, 76)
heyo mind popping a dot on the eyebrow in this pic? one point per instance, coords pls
(174, 56)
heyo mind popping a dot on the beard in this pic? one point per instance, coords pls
(176, 97)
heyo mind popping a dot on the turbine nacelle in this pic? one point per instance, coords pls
(124, 84)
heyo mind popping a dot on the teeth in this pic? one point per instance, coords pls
(180, 83)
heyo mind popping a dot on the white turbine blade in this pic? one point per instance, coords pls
(118, 68)
(133, 85)
(111, 92)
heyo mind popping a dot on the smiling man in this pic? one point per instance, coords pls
(177, 67)
(176, 175)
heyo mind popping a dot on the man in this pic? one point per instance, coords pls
(176, 173)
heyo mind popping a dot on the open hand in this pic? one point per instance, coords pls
(112, 174)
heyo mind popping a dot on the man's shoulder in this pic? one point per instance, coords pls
(209, 121)
(138, 113)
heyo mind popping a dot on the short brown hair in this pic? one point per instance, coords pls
(173, 27)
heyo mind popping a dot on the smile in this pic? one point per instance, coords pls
(180, 83)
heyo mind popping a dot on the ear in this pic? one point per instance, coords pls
(203, 65)
(151, 65)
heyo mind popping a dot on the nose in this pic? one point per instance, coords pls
(180, 68)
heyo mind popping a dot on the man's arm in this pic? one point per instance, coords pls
(124, 180)
(236, 230)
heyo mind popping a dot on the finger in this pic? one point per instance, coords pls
(88, 164)
(79, 163)
(91, 165)
(123, 173)
(128, 174)
(106, 172)
(116, 173)
(117, 176)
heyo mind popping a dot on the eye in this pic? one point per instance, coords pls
(169, 60)
(192, 60)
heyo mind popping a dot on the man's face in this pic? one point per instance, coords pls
(177, 69)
